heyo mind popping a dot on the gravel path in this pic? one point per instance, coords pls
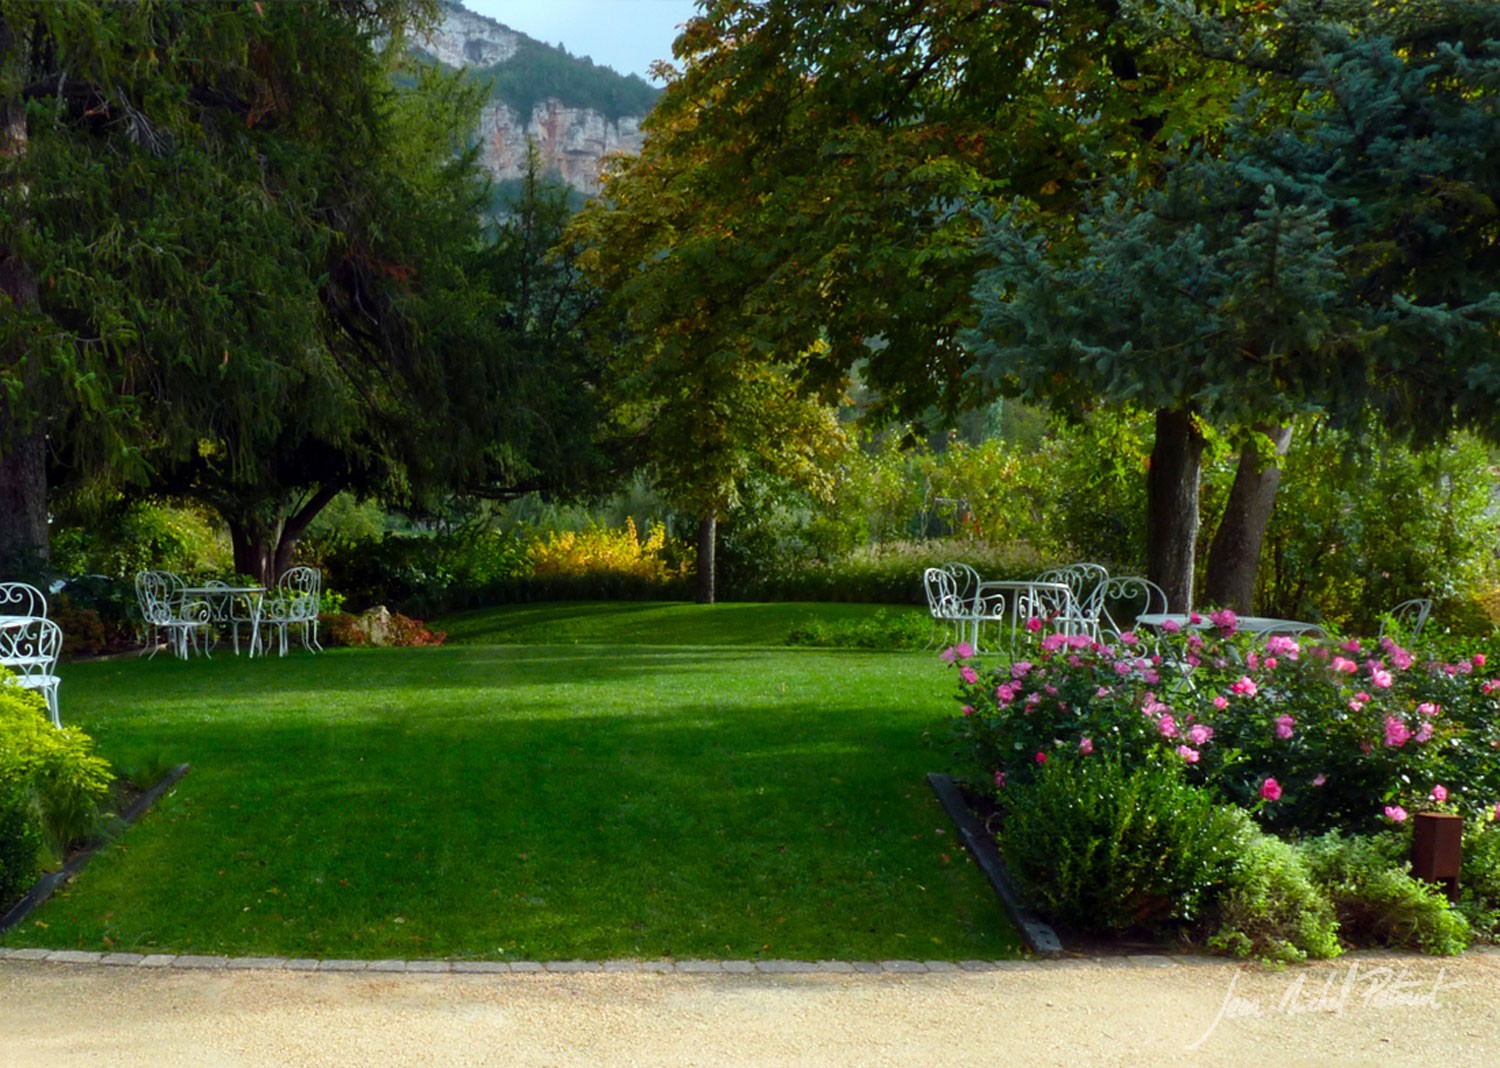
(1365, 1009)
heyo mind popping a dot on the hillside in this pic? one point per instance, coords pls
(576, 111)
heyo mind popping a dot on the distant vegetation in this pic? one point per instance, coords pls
(538, 71)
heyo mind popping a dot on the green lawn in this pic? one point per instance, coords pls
(545, 802)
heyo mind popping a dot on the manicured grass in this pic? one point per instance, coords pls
(654, 622)
(530, 802)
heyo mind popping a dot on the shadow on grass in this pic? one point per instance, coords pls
(533, 803)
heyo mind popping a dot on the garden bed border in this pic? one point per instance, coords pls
(47, 884)
(1039, 937)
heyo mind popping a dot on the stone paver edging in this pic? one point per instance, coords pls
(198, 962)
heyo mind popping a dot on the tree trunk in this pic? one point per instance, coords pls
(255, 542)
(1234, 556)
(23, 435)
(1172, 506)
(708, 529)
(23, 503)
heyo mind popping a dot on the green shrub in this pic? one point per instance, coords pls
(1270, 908)
(20, 840)
(1479, 884)
(1377, 900)
(56, 769)
(884, 630)
(1101, 846)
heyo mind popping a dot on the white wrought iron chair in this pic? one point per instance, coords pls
(21, 599)
(954, 601)
(1086, 582)
(295, 602)
(229, 611)
(164, 610)
(1123, 600)
(31, 650)
(1405, 621)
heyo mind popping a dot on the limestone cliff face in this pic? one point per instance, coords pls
(464, 39)
(573, 141)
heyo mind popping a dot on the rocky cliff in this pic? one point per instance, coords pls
(572, 136)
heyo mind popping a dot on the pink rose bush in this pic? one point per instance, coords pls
(1341, 732)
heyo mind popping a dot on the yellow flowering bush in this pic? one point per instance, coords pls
(598, 551)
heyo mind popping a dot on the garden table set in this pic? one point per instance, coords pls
(30, 643)
(192, 616)
(1082, 599)
(1079, 599)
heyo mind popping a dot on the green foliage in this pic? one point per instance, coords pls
(1359, 528)
(143, 535)
(54, 771)
(884, 630)
(1479, 882)
(891, 573)
(1270, 908)
(21, 839)
(1103, 845)
(422, 573)
(538, 72)
(1377, 899)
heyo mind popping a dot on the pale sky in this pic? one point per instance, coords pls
(626, 35)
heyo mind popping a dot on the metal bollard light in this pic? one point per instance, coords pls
(1437, 849)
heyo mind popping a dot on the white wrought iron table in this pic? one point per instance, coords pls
(1243, 624)
(221, 600)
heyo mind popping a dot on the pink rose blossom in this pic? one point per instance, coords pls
(1427, 708)
(1478, 660)
(968, 710)
(1381, 679)
(1270, 790)
(1350, 646)
(1085, 746)
(1281, 645)
(1000, 779)
(1284, 725)
(949, 654)
(1347, 667)
(1396, 813)
(1167, 725)
(1319, 779)
(968, 674)
(1129, 637)
(1424, 732)
(965, 650)
(1199, 734)
(1194, 618)
(1245, 687)
(1052, 643)
(1033, 624)
(1188, 755)
(1440, 793)
(1041, 758)
(1271, 663)
(1171, 626)
(1396, 733)
(1103, 691)
(1020, 668)
(1221, 702)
